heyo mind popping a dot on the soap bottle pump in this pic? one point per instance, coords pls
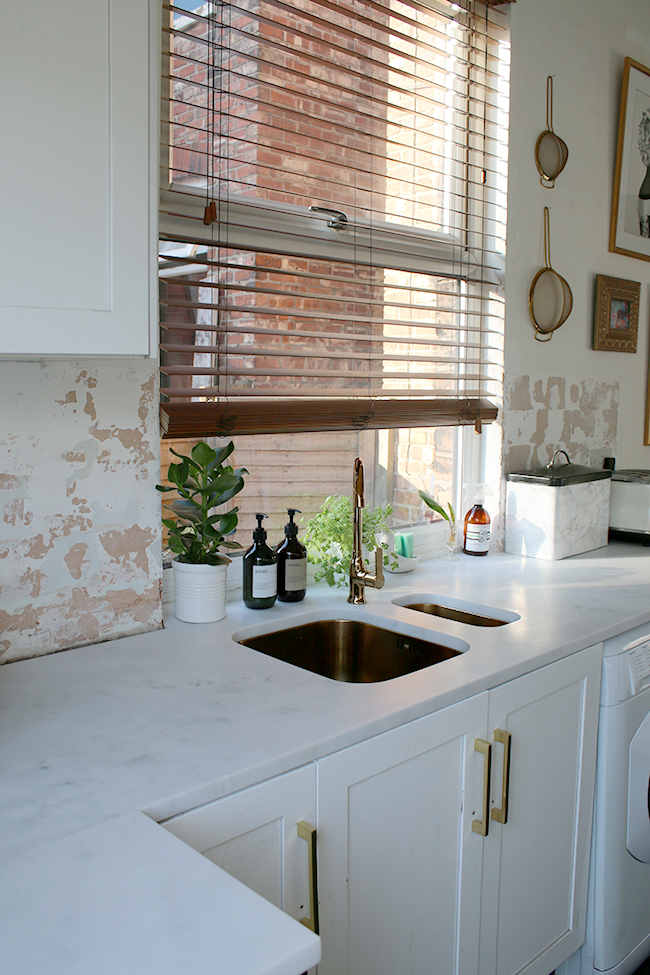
(260, 571)
(292, 563)
(476, 534)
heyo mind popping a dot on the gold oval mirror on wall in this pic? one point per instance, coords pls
(551, 152)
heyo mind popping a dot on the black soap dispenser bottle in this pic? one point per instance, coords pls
(292, 563)
(260, 571)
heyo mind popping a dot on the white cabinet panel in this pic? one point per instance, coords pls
(75, 244)
(399, 865)
(253, 835)
(536, 864)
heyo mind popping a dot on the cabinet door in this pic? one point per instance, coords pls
(399, 864)
(535, 866)
(253, 835)
(77, 174)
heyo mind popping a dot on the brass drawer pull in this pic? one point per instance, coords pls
(481, 825)
(308, 833)
(501, 815)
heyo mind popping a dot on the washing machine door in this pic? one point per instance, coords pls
(638, 798)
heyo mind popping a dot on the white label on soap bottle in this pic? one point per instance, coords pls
(295, 575)
(477, 538)
(265, 581)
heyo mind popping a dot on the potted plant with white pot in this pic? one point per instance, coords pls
(203, 482)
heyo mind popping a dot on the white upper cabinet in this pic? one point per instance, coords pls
(79, 82)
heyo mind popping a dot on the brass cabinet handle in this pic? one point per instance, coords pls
(481, 825)
(501, 815)
(307, 832)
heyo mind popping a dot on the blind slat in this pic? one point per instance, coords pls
(179, 420)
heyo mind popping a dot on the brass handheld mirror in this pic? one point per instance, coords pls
(551, 152)
(550, 299)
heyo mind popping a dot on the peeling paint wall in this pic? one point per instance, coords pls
(543, 415)
(79, 513)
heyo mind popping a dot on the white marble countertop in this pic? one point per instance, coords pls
(90, 738)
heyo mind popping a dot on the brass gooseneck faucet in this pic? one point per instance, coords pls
(359, 575)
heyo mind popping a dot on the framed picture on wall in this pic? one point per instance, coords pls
(630, 225)
(616, 322)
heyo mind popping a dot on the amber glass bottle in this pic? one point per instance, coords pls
(476, 536)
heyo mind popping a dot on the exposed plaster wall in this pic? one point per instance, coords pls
(545, 414)
(79, 513)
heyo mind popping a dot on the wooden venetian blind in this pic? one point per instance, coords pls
(332, 215)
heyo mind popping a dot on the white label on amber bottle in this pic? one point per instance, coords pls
(295, 574)
(477, 538)
(265, 581)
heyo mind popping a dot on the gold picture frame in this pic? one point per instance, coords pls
(616, 322)
(630, 222)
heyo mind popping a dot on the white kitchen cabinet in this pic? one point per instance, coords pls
(78, 172)
(254, 836)
(408, 882)
(536, 865)
(409, 887)
(399, 865)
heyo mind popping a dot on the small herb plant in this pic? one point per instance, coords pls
(328, 536)
(203, 482)
(449, 515)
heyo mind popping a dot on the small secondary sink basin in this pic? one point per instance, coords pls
(351, 650)
(458, 610)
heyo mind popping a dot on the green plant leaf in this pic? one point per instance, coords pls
(434, 504)
(228, 522)
(221, 454)
(177, 473)
(203, 455)
(222, 489)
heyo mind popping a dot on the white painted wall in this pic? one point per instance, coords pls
(583, 44)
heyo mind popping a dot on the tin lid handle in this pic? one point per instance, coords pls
(552, 462)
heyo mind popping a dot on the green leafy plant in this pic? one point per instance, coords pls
(203, 482)
(449, 515)
(328, 536)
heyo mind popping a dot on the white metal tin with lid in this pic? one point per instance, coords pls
(557, 511)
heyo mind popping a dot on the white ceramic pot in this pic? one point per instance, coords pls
(199, 592)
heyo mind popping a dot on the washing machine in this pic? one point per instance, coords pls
(618, 913)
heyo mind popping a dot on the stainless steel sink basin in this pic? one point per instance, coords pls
(461, 612)
(460, 615)
(352, 650)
